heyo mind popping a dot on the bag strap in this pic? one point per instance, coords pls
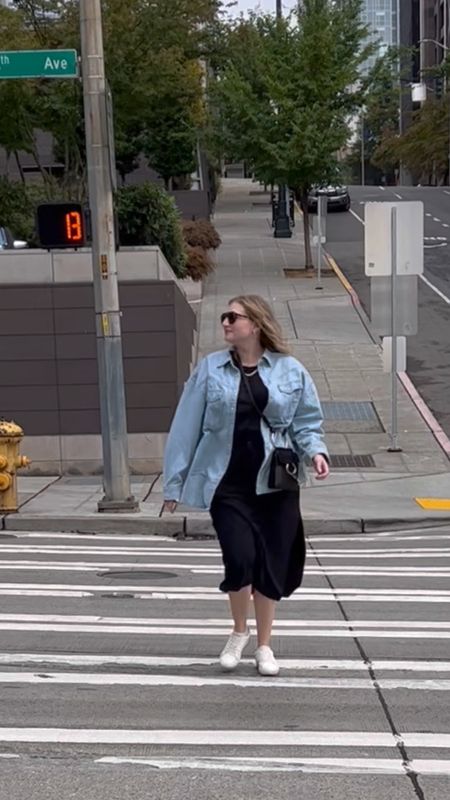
(250, 393)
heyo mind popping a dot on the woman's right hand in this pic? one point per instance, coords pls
(170, 506)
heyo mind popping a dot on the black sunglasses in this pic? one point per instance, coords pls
(231, 316)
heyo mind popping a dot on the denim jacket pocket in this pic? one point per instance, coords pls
(214, 412)
(289, 396)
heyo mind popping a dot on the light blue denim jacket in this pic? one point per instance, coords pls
(199, 445)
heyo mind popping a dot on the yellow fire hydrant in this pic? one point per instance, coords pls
(10, 461)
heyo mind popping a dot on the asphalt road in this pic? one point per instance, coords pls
(428, 352)
(109, 686)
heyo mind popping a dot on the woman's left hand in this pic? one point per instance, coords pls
(321, 467)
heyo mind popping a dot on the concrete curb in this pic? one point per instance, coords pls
(418, 401)
(185, 527)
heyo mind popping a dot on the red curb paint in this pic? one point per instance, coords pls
(425, 412)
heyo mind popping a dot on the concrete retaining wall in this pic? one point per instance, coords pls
(48, 355)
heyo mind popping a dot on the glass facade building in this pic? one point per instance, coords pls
(381, 17)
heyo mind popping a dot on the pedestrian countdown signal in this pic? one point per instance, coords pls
(61, 225)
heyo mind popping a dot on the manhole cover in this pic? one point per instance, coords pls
(138, 575)
(346, 461)
(351, 417)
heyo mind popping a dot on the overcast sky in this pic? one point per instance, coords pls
(262, 5)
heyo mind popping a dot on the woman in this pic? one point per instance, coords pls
(237, 405)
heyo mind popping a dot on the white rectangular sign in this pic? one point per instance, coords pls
(401, 353)
(377, 238)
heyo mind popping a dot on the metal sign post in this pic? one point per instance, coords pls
(393, 236)
(394, 448)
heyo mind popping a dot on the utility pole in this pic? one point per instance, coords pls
(282, 227)
(116, 480)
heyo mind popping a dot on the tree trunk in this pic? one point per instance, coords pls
(309, 264)
(19, 166)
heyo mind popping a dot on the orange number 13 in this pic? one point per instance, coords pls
(74, 227)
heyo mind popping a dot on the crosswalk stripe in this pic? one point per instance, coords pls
(347, 766)
(211, 622)
(143, 630)
(202, 553)
(351, 766)
(304, 597)
(96, 660)
(65, 566)
(131, 679)
(233, 737)
(212, 592)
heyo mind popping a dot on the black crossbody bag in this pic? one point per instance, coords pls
(284, 464)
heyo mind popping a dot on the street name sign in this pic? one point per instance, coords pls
(38, 64)
(377, 238)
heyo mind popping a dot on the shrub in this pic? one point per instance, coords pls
(198, 264)
(148, 216)
(201, 233)
(16, 209)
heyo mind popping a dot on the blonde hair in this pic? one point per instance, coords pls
(259, 311)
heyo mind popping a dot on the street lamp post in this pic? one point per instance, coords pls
(446, 50)
(282, 227)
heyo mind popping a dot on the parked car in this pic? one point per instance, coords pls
(337, 198)
(8, 242)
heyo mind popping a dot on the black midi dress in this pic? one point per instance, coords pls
(261, 536)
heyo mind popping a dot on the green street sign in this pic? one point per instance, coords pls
(38, 64)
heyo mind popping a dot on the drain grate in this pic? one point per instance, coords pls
(351, 417)
(351, 461)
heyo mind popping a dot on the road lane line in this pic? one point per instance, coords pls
(436, 219)
(398, 196)
(435, 289)
(356, 216)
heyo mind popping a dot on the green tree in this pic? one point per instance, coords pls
(287, 90)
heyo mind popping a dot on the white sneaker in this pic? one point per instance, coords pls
(232, 652)
(265, 661)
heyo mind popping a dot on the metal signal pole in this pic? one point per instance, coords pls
(282, 227)
(116, 480)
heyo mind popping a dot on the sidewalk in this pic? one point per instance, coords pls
(369, 488)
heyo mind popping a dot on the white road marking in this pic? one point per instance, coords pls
(309, 664)
(398, 196)
(444, 225)
(124, 679)
(92, 566)
(338, 766)
(217, 622)
(446, 192)
(393, 552)
(238, 737)
(435, 289)
(157, 594)
(357, 216)
(427, 214)
(436, 219)
(214, 737)
(110, 551)
(383, 188)
(191, 631)
(211, 591)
